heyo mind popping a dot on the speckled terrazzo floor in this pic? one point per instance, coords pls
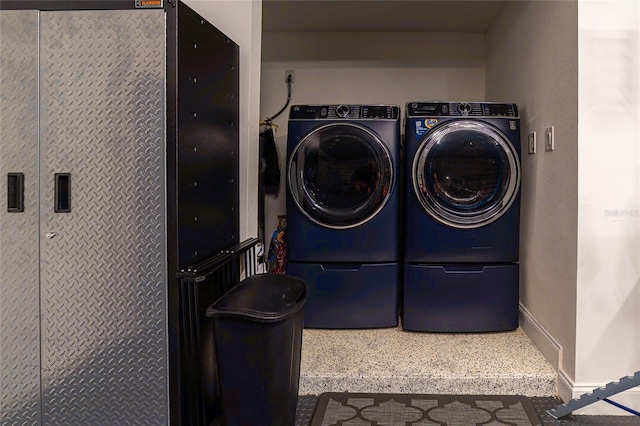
(391, 360)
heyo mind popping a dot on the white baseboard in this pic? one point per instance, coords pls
(565, 386)
(544, 341)
(568, 390)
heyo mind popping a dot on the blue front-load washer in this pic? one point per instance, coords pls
(462, 220)
(343, 213)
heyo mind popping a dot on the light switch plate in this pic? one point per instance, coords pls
(532, 143)
(550, 140)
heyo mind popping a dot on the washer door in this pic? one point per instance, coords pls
(466, 174)
(340, 175)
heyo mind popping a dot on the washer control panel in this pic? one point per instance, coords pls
(461, 109)
(344, 111)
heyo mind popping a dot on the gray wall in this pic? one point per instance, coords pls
(576, 67)
(532, 57)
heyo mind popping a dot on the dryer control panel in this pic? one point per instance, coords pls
(461, 109)
(333, 112)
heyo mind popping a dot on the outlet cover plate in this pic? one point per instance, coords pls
(288, 73)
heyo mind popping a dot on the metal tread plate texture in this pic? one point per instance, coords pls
(19, 286)
(103, 277)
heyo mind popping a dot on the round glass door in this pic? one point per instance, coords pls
(466, 174)
(340, 175)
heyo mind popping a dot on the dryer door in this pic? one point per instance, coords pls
(466, 174)
(340, 175)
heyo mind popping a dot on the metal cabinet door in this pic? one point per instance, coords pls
(83, 278)
(19, 261)
(103, 237)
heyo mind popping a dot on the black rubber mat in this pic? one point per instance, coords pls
(307, 404)
(336, 409)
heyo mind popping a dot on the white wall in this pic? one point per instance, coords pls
(532, 58)
(608, 281)
(376, 68)
(241, 20)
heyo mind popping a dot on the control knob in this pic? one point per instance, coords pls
(342, 111)
(464, 108)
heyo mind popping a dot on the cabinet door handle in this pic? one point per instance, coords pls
(15, 192)
(62, 193)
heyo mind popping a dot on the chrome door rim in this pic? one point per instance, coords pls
(291, 183)
(457, 219)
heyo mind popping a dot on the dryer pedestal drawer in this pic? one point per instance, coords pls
(349, 295)
(461, 297)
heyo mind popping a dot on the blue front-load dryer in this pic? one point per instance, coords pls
(343, 213)
(462, 220)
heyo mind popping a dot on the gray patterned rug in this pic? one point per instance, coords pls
(360, 409)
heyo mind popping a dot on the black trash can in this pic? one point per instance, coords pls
(257, 331)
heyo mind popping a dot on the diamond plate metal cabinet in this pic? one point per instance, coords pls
(87, 316)
(124, 133)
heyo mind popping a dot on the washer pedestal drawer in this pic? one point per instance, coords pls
(349, 295)
(461, 297)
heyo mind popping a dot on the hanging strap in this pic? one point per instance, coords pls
(271, 172)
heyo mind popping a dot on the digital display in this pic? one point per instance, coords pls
(437, 109)
(376, 112)
(499, 109)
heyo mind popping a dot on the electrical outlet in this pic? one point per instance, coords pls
(288, 73)
(532, 143)
(551, 143)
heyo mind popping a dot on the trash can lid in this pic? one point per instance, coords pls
(263, 298)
